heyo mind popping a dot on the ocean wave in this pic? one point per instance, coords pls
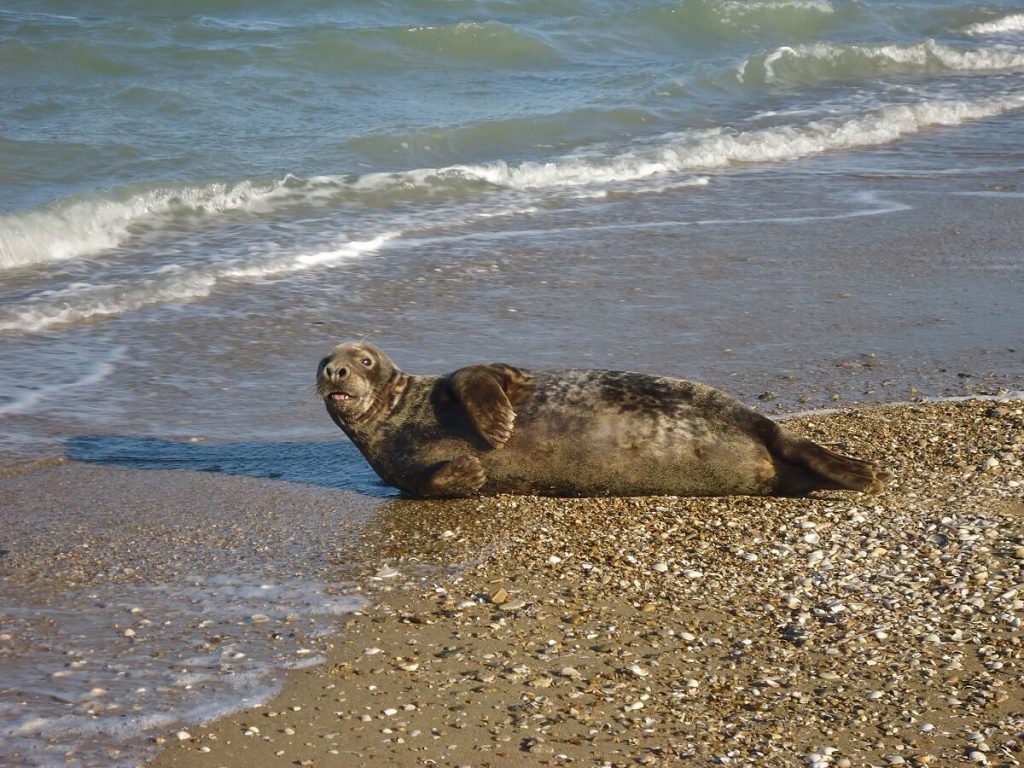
(76, 228)
(717, 148)
(1014, 22)
(173, 284)
(85, 301)
(820, 61)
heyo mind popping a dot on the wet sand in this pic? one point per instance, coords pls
(837, 630)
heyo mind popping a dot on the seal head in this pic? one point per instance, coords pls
(356, 382)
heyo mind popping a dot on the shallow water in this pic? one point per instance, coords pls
(801, 201)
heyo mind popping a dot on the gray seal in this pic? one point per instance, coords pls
(491, 429)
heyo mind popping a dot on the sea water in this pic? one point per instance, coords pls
(802, 200)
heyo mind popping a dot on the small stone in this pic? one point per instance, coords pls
(554, 560)
(409, 666)
(693, 574)
(447, 534)
(390, 711)
(288, 731)
(129, 632)
(661, 567)
(183, 735)
(499, 596)
(259, 618)
(372, 651)
(989, 464)
(569, 672)
(252, 730)
(514, 605)
(639, 671)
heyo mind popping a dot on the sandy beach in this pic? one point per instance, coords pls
(838, 630)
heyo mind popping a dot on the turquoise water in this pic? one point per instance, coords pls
(120, 119)
(808, 201)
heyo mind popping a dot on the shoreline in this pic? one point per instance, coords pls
(841, 629)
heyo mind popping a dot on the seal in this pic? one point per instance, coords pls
(490, 429)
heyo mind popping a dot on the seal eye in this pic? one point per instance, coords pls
(367, 362)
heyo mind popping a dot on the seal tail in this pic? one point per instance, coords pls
(807, 466)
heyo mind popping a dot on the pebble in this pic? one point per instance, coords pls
(934, 544)
(183, 735)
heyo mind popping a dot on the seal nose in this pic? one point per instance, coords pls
(340, 373)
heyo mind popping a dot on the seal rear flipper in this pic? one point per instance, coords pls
(482, 391)
(457, 478)
(811, 467)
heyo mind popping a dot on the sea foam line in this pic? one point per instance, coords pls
(718, 148)
(928, 56)
(169, 285)
(1014, 22)
(33, 397)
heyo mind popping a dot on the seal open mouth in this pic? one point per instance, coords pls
(339, 397)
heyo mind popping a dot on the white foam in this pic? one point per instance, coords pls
(1014, 22)
(927, 56)
(83, 301)
(718, 148)
(97, 373)
(76, 227)
(303, 261)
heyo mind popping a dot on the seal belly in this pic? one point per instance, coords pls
(570, 450)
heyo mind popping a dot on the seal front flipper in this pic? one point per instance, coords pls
(483, 391)
(457, 478)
